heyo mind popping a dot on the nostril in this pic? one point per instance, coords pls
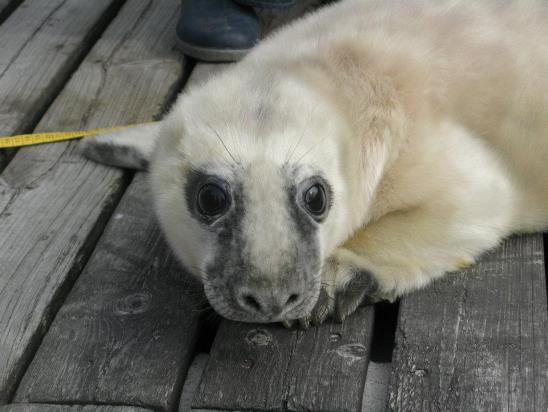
(292, 299)
(250, 301)
(267, 303)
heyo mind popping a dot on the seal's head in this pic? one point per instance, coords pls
(247, 186)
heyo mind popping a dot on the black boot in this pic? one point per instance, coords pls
(216, 30)
(267, 4)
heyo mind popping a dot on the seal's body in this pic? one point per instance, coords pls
(357, 154)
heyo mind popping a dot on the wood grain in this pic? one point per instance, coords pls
(53, 203)
(269, 368)
(123, 365)
(103, 354)
(126, 333)
(27, 407)
(477, 340)
(42, 42)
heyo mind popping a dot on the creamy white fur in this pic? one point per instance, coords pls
(429, 119)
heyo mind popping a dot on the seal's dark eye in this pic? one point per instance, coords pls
(212, 200)
(315, 199)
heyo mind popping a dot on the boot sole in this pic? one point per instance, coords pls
(209, 54)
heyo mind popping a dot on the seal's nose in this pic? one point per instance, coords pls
(267, 303)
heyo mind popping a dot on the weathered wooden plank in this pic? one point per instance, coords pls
(54, 203)
(269, 368)
(126, 366)
(36, 407)
(375, 395)
(113, 356)
(42, 42)
(477, 340)
(126, 333)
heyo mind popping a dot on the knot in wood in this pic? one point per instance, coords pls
(352, 351)
(419, 372)
(335, 337)
(258, 337)
(247, 363)
(133, 304)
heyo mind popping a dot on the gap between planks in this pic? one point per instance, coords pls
(7, 7)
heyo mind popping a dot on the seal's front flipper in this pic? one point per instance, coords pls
(129, 147)
(360, 287)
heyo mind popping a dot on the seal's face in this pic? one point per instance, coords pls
(248, 199)
(261, 223)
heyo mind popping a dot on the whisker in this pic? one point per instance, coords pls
(293, 149)
(233, 138)
(214, 149)
(223, 143)
(314, 146)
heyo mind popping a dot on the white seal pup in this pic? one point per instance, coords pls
(354, 155)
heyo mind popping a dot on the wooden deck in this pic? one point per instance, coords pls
(97, 315)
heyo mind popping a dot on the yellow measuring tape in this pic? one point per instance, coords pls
(50, 137)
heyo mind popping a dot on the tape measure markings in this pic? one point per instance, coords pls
(50, 137)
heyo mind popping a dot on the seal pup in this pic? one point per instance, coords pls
(353, 156)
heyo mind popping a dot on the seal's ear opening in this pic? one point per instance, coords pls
(129, 147)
